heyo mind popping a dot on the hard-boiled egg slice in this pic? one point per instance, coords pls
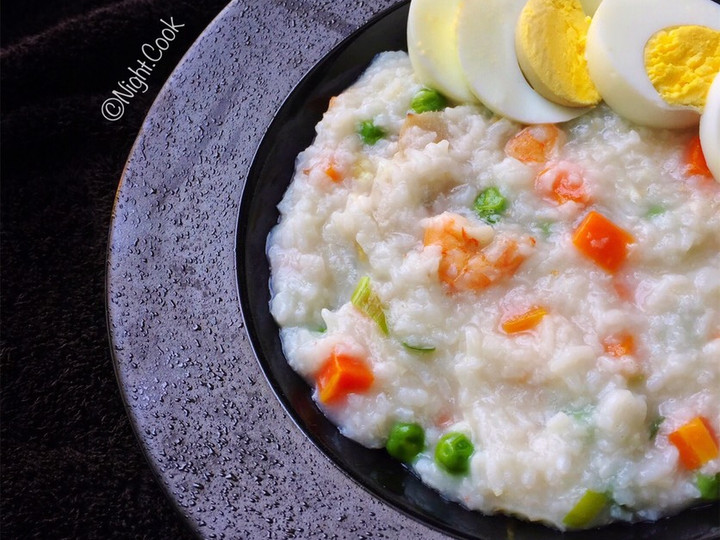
(710, 129)
(432, 47)
(682, 62)
(486, 43)
(615, 51)
(550, 46)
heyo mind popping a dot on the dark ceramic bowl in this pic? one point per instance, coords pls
(291, 131)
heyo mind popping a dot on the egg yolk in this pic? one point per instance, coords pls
(550, 44)
(682, 63)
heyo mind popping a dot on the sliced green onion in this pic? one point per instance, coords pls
(370, 133)
(546, 228)
(367, 301)
(490, 204)
(655, 426)
(583, 414)
(655, 210)
(586, 509)
(428, 100)
(418, 348)
(709, 486)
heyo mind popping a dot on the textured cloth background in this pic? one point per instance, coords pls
(70, 466)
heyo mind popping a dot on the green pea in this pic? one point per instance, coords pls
(428, 100)
(709, 486)
(406, 441)
(453, 452)
(370, 133)
(490, 204)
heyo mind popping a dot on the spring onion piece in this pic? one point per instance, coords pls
(709, 486)
(367, 302)
(546, 228)
(586, 509)
(655, 426)
(490, 204)
(583, 414)
(655, 210)
(427, 100)
(453, 452)
(418, 348)
(370, 133)
(406, 441)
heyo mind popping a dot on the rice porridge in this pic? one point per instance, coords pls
(528, 316)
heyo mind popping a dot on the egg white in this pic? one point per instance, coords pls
(615, 51)
(432, 47)
(710, 129)
(486, 45)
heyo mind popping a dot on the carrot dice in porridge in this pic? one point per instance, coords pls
(602, 241)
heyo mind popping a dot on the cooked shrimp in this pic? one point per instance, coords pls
(562, 182)
(535, 144)
(472, 257)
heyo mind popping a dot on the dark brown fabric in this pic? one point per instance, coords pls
(70, 466)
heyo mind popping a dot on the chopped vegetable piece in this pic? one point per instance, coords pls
(370, 133)
(341, 375)
(709, 486)
(586, 509)
(695, 442)
(534, 144)
(418, 348)
(524, 321)
(695, 159)
(453, 452)
(406, 441)
(562, 182)
(582, 415)
(619, 345)
(333, 173)
(428, 100)
(490, 204)
(655, 210)
(602, 241)
(546, 228)
(655, 426)
(367, 301)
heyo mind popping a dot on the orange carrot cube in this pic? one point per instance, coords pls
(696, 443)
(602, 241)
(341, 375)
